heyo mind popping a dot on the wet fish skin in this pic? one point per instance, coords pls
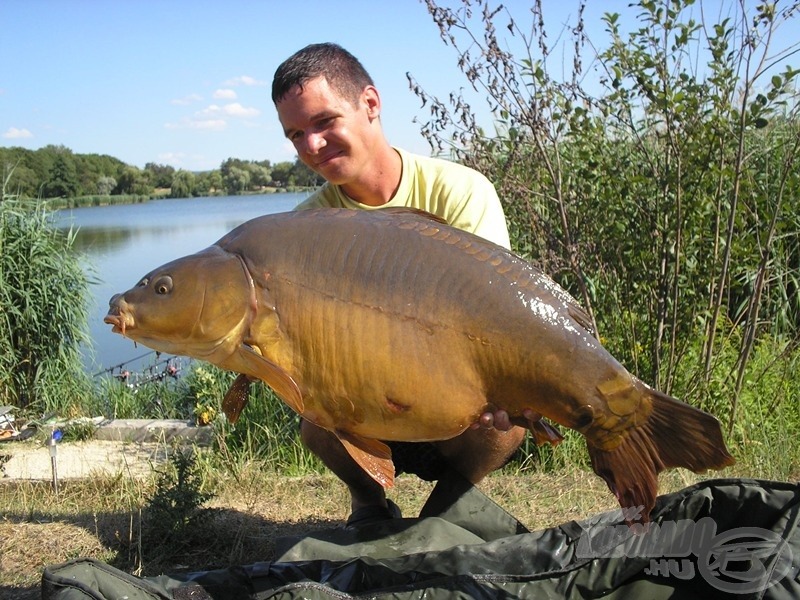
(392, 326)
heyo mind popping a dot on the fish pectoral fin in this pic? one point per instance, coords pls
(545, 433)
(236, 398)
(373, 456)
(249, 362)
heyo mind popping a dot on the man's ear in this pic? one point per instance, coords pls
(372, 101)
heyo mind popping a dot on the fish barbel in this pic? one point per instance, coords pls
(391, 325)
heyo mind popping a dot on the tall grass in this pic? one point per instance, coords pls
(97, 200)
(43, 311)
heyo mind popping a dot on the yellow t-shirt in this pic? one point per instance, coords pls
(459, 195)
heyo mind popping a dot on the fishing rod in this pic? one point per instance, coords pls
(122, 364)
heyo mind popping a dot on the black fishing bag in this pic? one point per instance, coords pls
(725, 538)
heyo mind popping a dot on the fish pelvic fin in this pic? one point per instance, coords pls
(542, 431)
(674, 435)
(545, 433)
(236, 398)
(373, 456)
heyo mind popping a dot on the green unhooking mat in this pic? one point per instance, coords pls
(722, 538)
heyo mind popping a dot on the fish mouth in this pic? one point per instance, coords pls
(120, 324)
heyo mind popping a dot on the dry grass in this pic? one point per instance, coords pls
(102, 518)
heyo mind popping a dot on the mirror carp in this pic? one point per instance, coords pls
(391, 325)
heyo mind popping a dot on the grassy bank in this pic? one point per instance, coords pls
(110, 519)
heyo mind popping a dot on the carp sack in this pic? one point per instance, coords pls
(391, 325)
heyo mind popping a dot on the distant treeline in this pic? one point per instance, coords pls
(57, 172)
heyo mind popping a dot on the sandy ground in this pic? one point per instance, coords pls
(76, 460)
(122, 446)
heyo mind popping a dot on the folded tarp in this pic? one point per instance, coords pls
(721, 538)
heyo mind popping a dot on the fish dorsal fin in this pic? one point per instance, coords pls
(577, 312)
(373, 456)
(236, 398)
(401, 210)
(251, 363)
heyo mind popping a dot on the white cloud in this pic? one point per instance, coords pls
(203, 124)
(237, 110)
(172, 158)
(17, 134)
(245, 80)
(186, 100)
(225, 95)
(212, 124)
(234, 109)
(211, 109)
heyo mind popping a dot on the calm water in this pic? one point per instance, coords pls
(122, 243)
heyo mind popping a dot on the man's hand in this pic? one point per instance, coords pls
(542, 431)
(500, 419)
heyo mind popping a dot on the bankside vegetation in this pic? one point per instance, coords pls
(655, 173)
(86, 179)
(657, 181)
(44, 292)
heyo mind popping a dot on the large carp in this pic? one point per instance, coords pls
(390, 325)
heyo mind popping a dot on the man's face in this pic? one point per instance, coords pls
(332, 136)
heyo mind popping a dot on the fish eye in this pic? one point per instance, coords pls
(163, 285)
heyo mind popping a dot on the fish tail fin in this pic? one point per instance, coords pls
(674, 435)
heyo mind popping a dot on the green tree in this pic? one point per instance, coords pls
(22, 180)
(93, 167)
(134, 181)
(106, 185)
(161, 175)
(183, 184)
(281, 173)
(303, 176)
(260, 176)
(62, 178)
(236, 180)
(213, 181)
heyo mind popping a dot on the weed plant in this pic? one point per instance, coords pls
(173, 514)
(267, 430)
(44, 293)
(161, 399)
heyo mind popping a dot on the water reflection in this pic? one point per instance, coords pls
(120, 244)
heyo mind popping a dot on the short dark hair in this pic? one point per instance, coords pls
(343, 71)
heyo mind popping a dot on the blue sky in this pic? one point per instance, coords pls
(186, 83)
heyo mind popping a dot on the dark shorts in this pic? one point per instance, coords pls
(420, 458)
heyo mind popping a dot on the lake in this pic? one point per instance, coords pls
(122, 243)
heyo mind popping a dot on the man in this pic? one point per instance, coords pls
(330, 110)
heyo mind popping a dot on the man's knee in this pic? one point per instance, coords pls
(317, 440)
(478, 452)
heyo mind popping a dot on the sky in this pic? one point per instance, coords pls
(187, 82)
